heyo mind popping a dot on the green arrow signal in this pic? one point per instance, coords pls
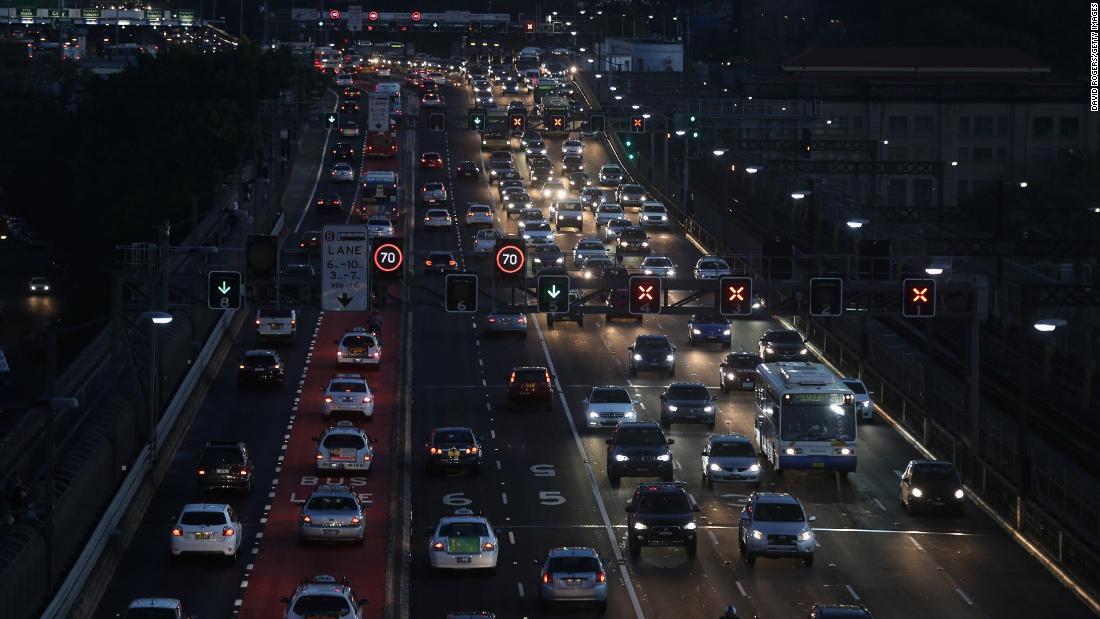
(224, 288)
(553, 291)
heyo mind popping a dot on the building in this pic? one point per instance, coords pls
(616, 54)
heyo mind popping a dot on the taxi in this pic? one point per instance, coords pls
(323, 596)
(347, 395)
(344, 447)
(358, 347)
(463, 541)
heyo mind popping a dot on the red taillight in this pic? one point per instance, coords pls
(471, 450)
(437, 546)
(328, 400)
(451, 262)
(202, 471)
(435, 451)
(428, 263)
(366, 458)
(601, 577)
(487, 546)
(307, 519)
(355, 520)
(512, 378)
(177, 532)
(228, 532)
(547, 579)
(244, 472)
(319, 456)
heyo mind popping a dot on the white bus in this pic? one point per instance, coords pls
(393, 89)
(806, 417)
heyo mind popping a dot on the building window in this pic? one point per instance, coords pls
(983, 153)
(964, 189)
(895, 153)
(897, 125)
(1002, 126)
(895, 192)
(1002, 154)
(964, 153)
(1042, 153)
(964, 125)
(1042, 126)
(983, 126)
(923, 125)
(1068, 127)
(922, 192)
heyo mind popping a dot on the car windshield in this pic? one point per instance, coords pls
(348, 387)
(610, 169)
(479, 208)
(651, 343)
(464, 529)
(260, 361)
(648, 435)
(151, 613)
(633, 189)
(218, 456)
(609, 396)
(329, 503)
(732, 449)
(322, 606)
(619, 223)
(572, 565)
(433, 187)
(436, 257)
(657, 262)
(378, 221)
(595, 245)
(856, 386)
(655, 208)
(358, 341)
(530, 375)
(610, 208)
(538, 226)
(663, 503)
(343, 441)
(708, 264)
(687, 392)
(198, 519)
(437, 213)
(934, 473)
(744, 362)
(454, 437)
(779, 512)
(784, 337)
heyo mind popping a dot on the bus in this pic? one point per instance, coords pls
(381, 194)
(498, 133)
(393, 89)
(382, 143)
(555, 110)
(806, 417)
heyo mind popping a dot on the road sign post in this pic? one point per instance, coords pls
(735, 296)
(826, 296)
(646, 294)
(918, 297)
(378, 112)
(461, 292)
(346, 275)
(223, 290)
(553, 293)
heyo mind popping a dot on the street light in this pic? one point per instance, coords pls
(635, 107)
(1023, 184)
(718, 152)
(752, 169)
(800, 194)
(856, 224)
(938, 267)
(680, 132)
(1046, 325)
(155, 319)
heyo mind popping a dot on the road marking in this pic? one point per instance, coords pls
(916, 543)
(504, 497)
(320, 168)
(492, 434)
(498, 465)
(244, 584)
(964, 596)
(852, 592)
(519, 586)
(902, 531)
(488, 406)
(741, 588)
(879, 503)
(713, 537)
(511, 537)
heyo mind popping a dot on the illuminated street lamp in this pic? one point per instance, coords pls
(856, 224)
(1047, 325)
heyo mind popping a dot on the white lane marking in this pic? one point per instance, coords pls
(481, 363)
(519, 586)
(488, 406)
(879, 503)
(740, 588)
(504, 497)
(964, 596)
(852, 592)
(492, 434)
(498, 465)
(238, 602)
(916, 543)
(483, 383)
(320, 168)
(713, 537)
(591, 477)
(511, 538)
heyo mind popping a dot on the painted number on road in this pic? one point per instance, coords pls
(456, 499)
(551, 497)
(543, 470)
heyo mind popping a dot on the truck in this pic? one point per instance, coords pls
(381, 143)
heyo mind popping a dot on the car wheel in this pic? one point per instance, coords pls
(750, 559)
(723, 387)
(692, 548)
(666, 423)
(580, 323)
(691, 341)
(710, 426)
(634, 548)
(708, 482)
(808, 560)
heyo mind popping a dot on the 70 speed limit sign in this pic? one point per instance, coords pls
(387, 256)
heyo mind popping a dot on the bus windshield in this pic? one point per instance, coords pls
(817, 422)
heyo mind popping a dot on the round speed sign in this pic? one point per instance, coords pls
(388, 257)
(510, 259)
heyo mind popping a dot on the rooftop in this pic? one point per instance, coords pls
(959, 61)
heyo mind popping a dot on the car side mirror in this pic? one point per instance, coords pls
(671, 441)
(610, 441)
(811, 519)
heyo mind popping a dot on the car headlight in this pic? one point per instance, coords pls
(726, 332)
(917, 493)
(793, 451)
(671, 273)
(806, 535)
(730, 376)
(670, 358)
(959, 494)
(769, 349)
(637, 357)
(707, 409)
(593, 414)
(673, 408)
(645, 243)
(715, 467)
(639, 526)
(647, 271)
(689, 526)
(621, 458)
(664, 457)
(754, 468)
(696, 331)
(844, 451)
(664, 217)
(803, 351)
(757, 534)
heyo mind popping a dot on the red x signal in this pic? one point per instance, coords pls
(645, 293)
(736, 293)
(920, 295)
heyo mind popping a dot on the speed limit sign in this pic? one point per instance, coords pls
(388, 256)
(510, 259)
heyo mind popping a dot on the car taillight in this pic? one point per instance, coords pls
(511, 378)
(367, 458)
(177, 532)
(355, 520)
(244, 472)
(487, 546)
(320, 456)
(307, 519)
(435, 451)
(228, 532)
(451, 262)
(471, 450)
(202, 471)
(258, 320)
(547, 579)
(437, 546)
(428, 263)
(601, 577)
(328, 400)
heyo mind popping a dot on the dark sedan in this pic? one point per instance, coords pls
(738, 371)
(260, 367)
(453, 448)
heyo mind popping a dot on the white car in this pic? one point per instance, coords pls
(38, 285)
(342, 172)
(479, 214)
(608, 211)
(538, 232)
(276, 324)
(432, 99)
(730, 458)
(344, 448)
(433, 193)
(554, 190)
(437, 218)
(615, 227)
(168, 608)
(358, 347)
(209, 528)
(483, 99)
(485, 241)
(482, 86)
(347, 395)
(611, 174)
(463, 542)
(653, 215)
(865, 407)
(588, 247)
(572, 147)
(323, 596)
(658, 265)
(712, 267)
(379, 225)
(345, 79)
(605, 407)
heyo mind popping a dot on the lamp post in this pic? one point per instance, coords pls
(156, 319)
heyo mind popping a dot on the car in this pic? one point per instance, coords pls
(588, 247)
(606, 406)
(839, 611)
(541, 171)
(344, 447)
(661, 514)
(588, 133)
(479, 214)
(273, 324)
(567, 213)
(437, 218)
(206, 528)
(440, 262)
(774, 525)
(432, 99)
(484, 99)
(535, 147)
(311, 239)
(730, 458)
(653, 215)
(530, 134)
(515, 106)
(932, 485)
(349, 129)
(738, 371)
(578, 179)
(349, 107)
(529, 214)
(332, 513)
(599, 267)
(359, 347)
(497, 168)
(502, 155)
(573, 164)
(652, 352)
(516, 199)
(573, 575)
(467, 168)
(509, 183)
(607, 212)
(347, 395)
(611, 175)
(328, 201)
(344, 79)
(260, 367)
(546, 255)
(342, 151)
(379, 225)
(225, 465)
(709, 326)
(688, 402)
(660, 266)
(638, 449)
(342, 172)
(352, 92)
(538, 232)
(575, 312)
(482, 86)
(451, 448)
(630, 195)
(865, 407)
(782, 345)
(485, 241)
(634, 240)
(506, 320)
(431, 160)
(591, 197)
(554, 190)
(156, 608)
(463, 541)
(572, 147)
(433, 193)
(614, 228)
(711, 267)
(323, 596)
(618, 306)
(531, 384)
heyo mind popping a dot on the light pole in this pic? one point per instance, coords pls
(156, 319)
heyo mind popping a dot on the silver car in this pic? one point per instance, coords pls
(611, 231)
(344, 447)
(572, 147)
(773, 524)
(342, 172)
(506, 321)
(573, 574)
(730, 457)
(605, 407)
(379, 225)
(865, 407)
(332, 513)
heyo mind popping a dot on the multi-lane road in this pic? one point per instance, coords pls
(544, 483)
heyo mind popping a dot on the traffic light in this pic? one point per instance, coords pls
(511, 258)
(918, 298)
(735, 296)
(596, 122)
(262, 257)
(331, 120)
(645, 294)
(518, 122)
(437, 121)
(529, 27)
(553, 293)
(461, 292)
(223, 290)
(557, 122)
(476, 120)
(637, 124)
(826, 296)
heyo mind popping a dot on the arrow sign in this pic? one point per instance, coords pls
(553, 292)
(344, 299)
(225, 287)
(223, 290)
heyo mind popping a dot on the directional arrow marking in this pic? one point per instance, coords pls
(553, 291)
(224, 288)
(344, 299)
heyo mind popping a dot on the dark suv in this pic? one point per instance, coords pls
(661, 514)
(783, 345)
(652, 352)
(453, 448)
(530, 384)
(638, 449)
(932, 484)
(225, 465)
(738, 371)
(632, 240)
(260, 367)
(687, 402)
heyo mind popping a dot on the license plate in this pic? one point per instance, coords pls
(330, 531)
(818, 465)
(275, 325)
(664, 533)
(746, 383)
(452, 453)
(202, 535)
(222, 471)
(462, 559)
